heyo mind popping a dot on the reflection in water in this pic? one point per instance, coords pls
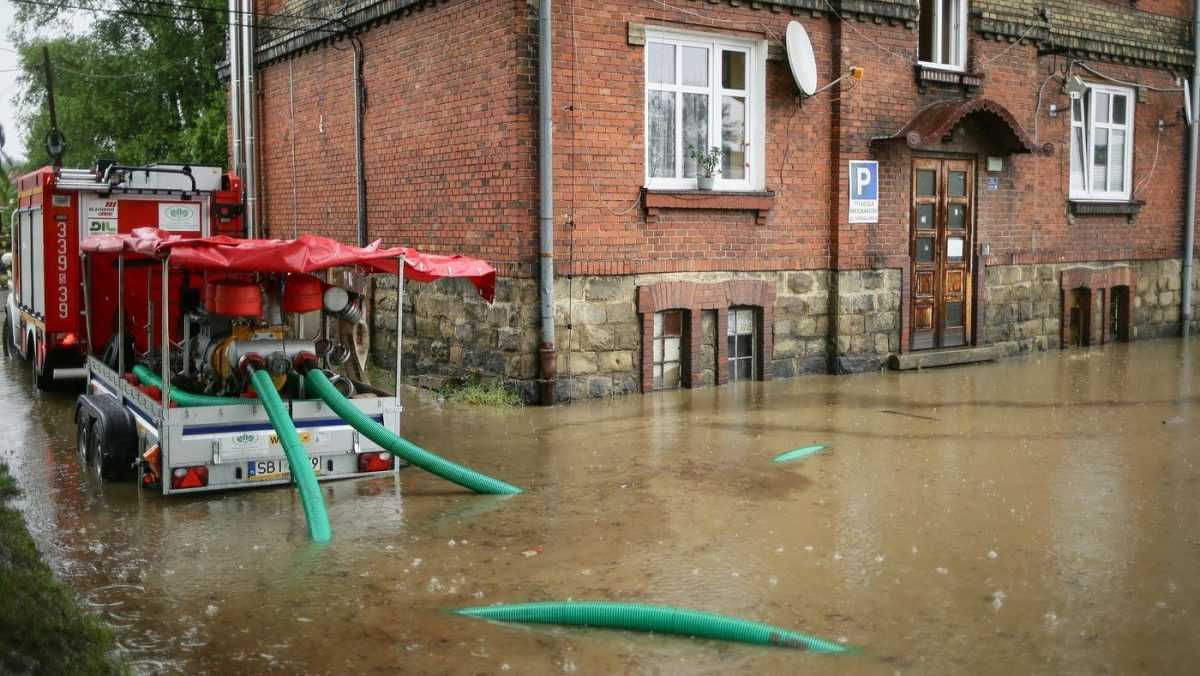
(1038, 513)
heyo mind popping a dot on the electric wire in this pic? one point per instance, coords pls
(1153, 165)
(179, 18)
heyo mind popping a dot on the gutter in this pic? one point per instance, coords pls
(547, 354)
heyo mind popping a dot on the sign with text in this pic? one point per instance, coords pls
(100, 216)
(864, 191)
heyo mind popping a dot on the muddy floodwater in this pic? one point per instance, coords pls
(1038, 515)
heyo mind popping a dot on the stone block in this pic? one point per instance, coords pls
(850, 325)
(599, 386)
(589, 313)
(788, 347)
(499, 315)
(815, 347)
(608, 288)
(880, 322)
(849, 282)
(872, 279)
(807, 327)
(800, 282)
(614, 361)
(464, 331)
(508, 339)
(881, 344)
(620, 312)
(1167, 299)
(456, 355)
(858, 344)
(843, 344)
(1051, 326)
(594, 338)
(427, 327)
(785, 328)
(1025, 311)
(579, 363)
(856, 304)
(627, 336)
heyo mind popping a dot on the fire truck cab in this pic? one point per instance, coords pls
(57, 209)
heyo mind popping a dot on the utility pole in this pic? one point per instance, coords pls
(55, 143)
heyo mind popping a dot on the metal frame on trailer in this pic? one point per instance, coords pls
(208, 435)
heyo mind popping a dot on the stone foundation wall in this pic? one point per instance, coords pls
(868, 319)
(449, 330)
(1023, 303)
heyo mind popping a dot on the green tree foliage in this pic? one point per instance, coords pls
(139, 86)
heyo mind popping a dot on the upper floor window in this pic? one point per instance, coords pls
(703, 92)
(943, 34)
(1101, 139)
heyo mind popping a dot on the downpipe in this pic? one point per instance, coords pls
(1189, 225)
(235, 86)
(547, 353)
(249, 108)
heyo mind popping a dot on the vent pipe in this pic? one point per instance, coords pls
(548, 357)
(249, 112)
(235, 87)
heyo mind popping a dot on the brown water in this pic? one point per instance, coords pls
(1041, 516)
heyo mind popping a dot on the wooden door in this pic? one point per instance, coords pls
(941, 243)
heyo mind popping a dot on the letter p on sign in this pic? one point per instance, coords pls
(864, 192)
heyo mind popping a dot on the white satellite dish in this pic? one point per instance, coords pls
(800, 58)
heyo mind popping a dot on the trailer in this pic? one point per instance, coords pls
(199, 404)
(57, 209)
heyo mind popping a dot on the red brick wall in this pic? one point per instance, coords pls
(450, 147)
(452, 150)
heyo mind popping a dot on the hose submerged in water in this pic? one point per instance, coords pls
(798, 453)
(306, 481)
(663, 619)
(318, 383)
(148, 377)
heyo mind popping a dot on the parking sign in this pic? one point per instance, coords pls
(864, 191)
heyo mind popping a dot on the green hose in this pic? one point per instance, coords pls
(149, 377)
(661, 619)
(306, 481)
(798, 453)
(317, 382)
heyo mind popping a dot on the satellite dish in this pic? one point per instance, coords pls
(800, 58)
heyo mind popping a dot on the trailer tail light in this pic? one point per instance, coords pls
(189, 477)
(69, 339)
(374, 462)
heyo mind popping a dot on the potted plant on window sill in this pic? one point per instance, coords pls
(706, 165)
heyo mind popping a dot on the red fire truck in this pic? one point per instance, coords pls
(57, 209)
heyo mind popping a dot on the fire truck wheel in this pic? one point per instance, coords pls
(43, 375)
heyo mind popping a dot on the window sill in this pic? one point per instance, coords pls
(928, 75)
(1127, 208)
(759, 201)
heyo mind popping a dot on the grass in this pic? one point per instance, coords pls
(483, 393)
(43, 629)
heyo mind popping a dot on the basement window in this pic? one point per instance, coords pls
(942, 40)
(740, 334)
(668, 347)
(704, 91)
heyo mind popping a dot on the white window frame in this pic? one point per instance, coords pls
(756, 53)
(1089, 126)
(939, 60)
(731, 331)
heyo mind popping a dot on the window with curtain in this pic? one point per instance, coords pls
(1101, 143)
(942, 38)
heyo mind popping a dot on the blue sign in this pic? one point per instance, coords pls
(864, 191)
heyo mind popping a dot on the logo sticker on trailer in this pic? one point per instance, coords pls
(101, 217)
(179, 216)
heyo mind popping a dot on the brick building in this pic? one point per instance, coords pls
(1031, 177)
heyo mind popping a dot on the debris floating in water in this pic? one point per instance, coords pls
(797, 453)
(909, 415)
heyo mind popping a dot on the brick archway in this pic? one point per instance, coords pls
(694, 298)
(1100, 282)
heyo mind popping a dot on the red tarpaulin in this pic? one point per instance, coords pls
(309, 253)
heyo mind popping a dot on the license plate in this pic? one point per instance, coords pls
(266, 470)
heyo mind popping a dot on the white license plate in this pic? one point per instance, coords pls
(265, 470)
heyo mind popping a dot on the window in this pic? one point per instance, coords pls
(943, 33)
(668, 340)
(740, 334)
(1101, 139)
(702, 92)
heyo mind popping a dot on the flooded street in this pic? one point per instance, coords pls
(1036, 515)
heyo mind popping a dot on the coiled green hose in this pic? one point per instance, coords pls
(798, 453)
(306, 481)
(318, 383)
(664, 619)
(149, 377)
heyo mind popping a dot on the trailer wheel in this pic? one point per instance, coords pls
(10, 345)
(106, 460)
(83, 435)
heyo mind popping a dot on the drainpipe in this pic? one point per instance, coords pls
(250, 179)
(235, 86)
(1189, 224)
(360, 168)
(546, 352)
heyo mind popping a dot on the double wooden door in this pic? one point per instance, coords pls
(940, 250)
